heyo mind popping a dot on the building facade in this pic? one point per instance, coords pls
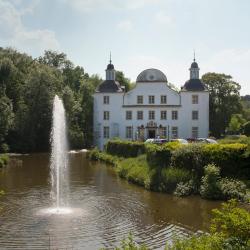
(150, 110)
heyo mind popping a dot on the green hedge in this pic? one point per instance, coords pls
(160, 155)
(231, 158)
(125, 148)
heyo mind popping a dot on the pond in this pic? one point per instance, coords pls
(105, 208)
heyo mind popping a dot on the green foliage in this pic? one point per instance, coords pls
(246, 128)
(120, 77)
(232, 189)
(160, 155)
(236, 123)
(97, 155)
(215, 187)
(27, 89)
(170, 177)
(232, 222)
(137, 170)
(125, 148)
(3, 160)
(184, 188)
(189, 157)
(224, 100)
(210, 188)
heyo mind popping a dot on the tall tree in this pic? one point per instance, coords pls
(120, 77)
(224, 100)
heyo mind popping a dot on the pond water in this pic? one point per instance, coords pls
(104, 209)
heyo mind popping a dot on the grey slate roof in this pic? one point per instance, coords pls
(194, 85)
(109, 86)
(110, 66)
(194, 65)
(151, 75)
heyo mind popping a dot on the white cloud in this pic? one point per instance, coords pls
(162, 18)
(125, 25)
(14, 33)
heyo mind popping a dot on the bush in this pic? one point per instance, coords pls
(160, 155)
(231, 188)
(184, 188)
(232, 222)
(125, 148)
(3, 160)
(229, 157)
(189, 157)
(170, 177)
(209, 183)
(246, 128)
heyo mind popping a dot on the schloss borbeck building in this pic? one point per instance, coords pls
(151, 109)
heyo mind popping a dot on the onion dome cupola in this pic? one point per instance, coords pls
(110, 85)
(194, 83)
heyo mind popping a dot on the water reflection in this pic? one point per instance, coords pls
(105, 209)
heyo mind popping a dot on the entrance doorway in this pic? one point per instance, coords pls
(151, 133)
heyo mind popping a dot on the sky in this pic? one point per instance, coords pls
(140, 34)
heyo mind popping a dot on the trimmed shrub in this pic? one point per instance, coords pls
(125, 148)
(189, 157)
(231, 188)
(170, 177)
(210, 188)
(160, 155)
(229, 157)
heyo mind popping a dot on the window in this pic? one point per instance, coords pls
(129, 132)
(174, 132)
(105, 132)
(139, 115)
(106, 115)
(128, 115)
(164, 131)
(163, 99)
(106, 99)
(139, 99)
(195, 99)
(164, 115)
(151, 99)
(195, 115)
(151, 115)
(195, 132)
(175, 115)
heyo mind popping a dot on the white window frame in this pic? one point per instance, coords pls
(151, 99)
(106, 132)
(106, 99)
(129, 132)
(163, 115)
(163, 99)
(106, 115)
(140, 99)
(129, 114)
(195, 132)
(195, 99)
(195, 115)
(174, 115)
(139, 115)
(174, 132)
(151, 115)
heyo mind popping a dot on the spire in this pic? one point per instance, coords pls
(110, 60)
(194, 70)
(110, 71)
(194, 55)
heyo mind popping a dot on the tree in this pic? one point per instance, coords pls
(224, 100)
(236, 123)
(246, 128)
(6, 117)
(120, 77)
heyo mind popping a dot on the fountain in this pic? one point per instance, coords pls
(59, 159)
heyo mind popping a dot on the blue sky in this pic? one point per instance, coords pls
(140, 33)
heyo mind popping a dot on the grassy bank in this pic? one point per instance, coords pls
(213, 171)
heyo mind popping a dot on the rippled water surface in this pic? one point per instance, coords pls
(103, 209)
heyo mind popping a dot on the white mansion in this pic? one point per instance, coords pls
(151, 109)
